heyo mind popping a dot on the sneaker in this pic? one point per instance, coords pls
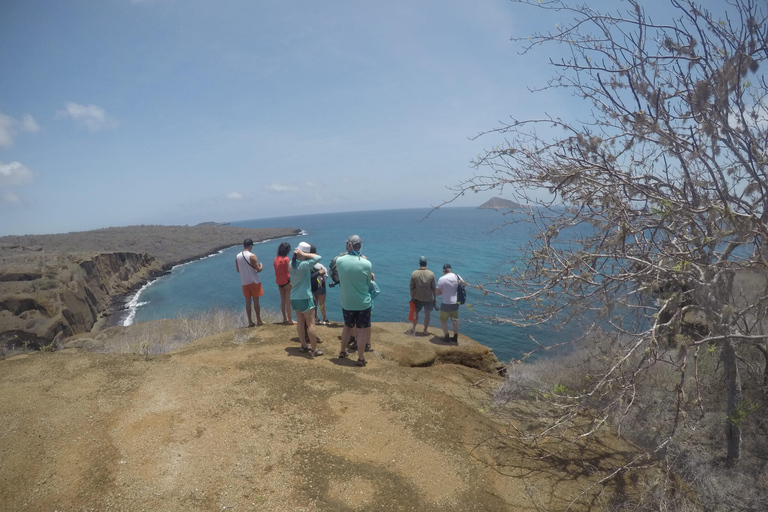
(456, 338)
(304, 349)
(352, 344)
(317, 352)
(447, 338)
(367, 347)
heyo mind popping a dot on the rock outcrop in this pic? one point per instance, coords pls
(67, 295)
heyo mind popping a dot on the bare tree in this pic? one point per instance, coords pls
(652, 213)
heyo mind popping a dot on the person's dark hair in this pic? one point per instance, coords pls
(313, 249)
(247, 242)
(284, 249)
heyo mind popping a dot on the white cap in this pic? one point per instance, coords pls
(304, 247)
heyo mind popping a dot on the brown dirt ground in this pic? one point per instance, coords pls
(220, 425)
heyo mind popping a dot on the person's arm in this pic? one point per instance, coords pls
(236, 267)
(311, 256)
(255, 263)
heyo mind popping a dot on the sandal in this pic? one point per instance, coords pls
(361, 362)
(304, 348)
(317, 352)
(342, 354)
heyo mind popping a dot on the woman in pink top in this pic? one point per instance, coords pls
(283, 278)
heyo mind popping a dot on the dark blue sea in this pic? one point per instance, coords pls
(473, 241)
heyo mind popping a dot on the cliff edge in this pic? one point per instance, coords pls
(244, 421)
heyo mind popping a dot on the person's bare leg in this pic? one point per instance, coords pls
(413, 324)
(248, 312)
(287, 291)
(309, 317)
(455, 329)
(300, 328)
(345, 338)
(257, 309)
(426, 319)
(321, 305)
(364, 337)
(285, 309)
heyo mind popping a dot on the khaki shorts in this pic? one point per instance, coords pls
(449, 311)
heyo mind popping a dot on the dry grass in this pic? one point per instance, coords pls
(163, 336)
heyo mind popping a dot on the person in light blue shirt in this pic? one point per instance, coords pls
(301, 296)
(355, 277)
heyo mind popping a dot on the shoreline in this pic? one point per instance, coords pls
(122, 312)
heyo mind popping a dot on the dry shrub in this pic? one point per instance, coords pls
(643, 411)
(162, 336)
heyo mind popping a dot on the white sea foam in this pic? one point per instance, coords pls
(133, 304)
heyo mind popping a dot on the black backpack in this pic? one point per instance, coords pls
(461, 291)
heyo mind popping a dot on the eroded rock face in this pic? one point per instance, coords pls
(42, 296)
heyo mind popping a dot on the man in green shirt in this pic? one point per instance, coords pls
(355, 276)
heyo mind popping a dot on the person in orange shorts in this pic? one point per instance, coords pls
(248, 266)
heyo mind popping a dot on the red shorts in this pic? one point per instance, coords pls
(252, 291)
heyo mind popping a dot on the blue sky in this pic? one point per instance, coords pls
(121, 112)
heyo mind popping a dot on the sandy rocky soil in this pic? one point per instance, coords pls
(244, 421)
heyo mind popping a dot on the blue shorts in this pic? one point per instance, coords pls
(302, 305)
(359, 319)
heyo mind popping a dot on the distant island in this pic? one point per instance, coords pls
(498, 203)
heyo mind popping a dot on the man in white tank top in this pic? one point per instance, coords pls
(248, 266)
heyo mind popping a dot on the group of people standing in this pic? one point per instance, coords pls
(295, 278)
(424, 292)
(301, 281)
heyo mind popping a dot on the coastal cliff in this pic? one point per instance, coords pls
(56, 286)
(65, 295)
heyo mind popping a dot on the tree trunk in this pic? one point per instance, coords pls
(733, 389)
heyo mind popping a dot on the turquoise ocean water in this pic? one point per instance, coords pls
(393, 240)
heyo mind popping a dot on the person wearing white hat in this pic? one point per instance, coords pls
(301, 296)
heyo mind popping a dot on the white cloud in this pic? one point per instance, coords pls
(14, 174)
(92, 117)
(315, 184)
(28, 123)
(235, 196)
(10, 127)
(279, 187)
(9, 198)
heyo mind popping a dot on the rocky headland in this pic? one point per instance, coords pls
(242, 420)
(98, 420)
(56, 286)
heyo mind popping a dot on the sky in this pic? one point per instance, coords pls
(125, 112)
